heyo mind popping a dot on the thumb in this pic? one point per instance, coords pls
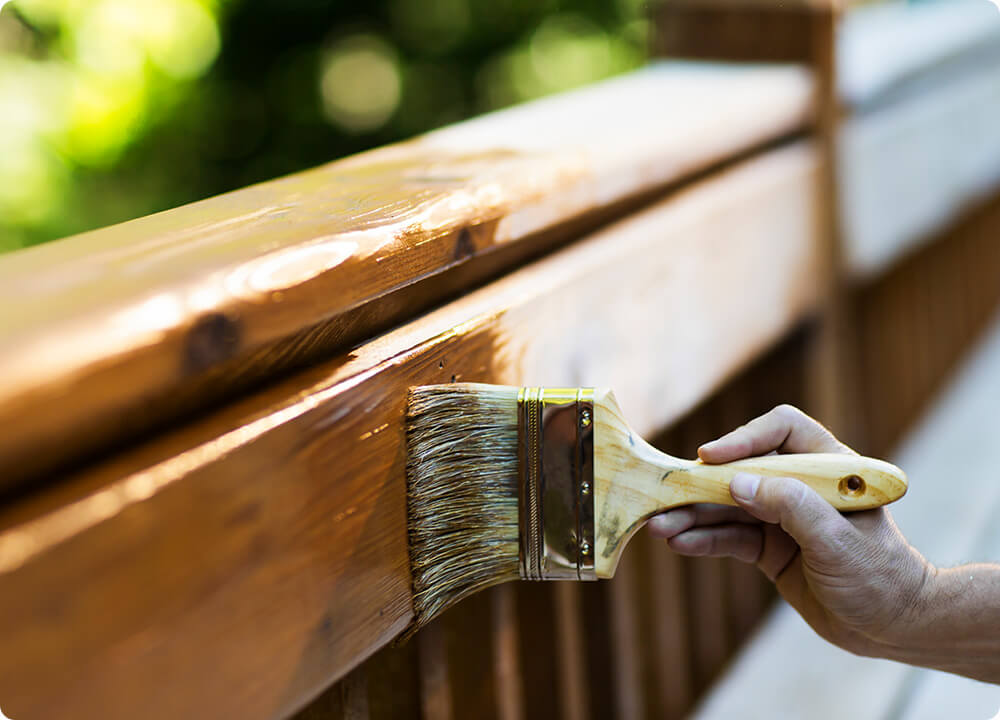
(801, 511)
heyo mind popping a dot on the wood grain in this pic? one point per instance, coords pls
(108, 334)
(237, 566)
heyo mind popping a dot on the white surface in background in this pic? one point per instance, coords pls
(788, 672)
(882, 44)
(925, 144)
(910, 168)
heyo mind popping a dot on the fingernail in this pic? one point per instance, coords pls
(744, 486)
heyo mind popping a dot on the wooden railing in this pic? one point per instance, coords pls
(203, 451)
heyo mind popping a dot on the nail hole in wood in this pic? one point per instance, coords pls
(214, 339)
(463, 246)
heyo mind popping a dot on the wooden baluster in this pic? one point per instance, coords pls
(731, 408)
(625, 642)
(711, 635)
(541, 650)
(435, 686)
(506, 656)
(706, 578)
(831, 386)
(347, 700)
(393, 676)
(469, 643)
(669, 691)
(595, 613)
(573, 636)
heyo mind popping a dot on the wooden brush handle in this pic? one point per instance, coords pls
(848, 482)
(633, 480)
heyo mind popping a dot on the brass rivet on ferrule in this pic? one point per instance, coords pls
(585, 418)
(585, 487)
(584, 548)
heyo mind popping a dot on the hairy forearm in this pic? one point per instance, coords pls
(955, 626)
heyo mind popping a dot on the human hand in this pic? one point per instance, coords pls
(854, 578)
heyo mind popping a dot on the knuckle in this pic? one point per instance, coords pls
(789, 412)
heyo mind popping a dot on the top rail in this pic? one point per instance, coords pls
(164, 314)
(236, 566)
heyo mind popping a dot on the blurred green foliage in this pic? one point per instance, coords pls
(112, 109)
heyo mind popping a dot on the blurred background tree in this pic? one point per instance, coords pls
(112, 109)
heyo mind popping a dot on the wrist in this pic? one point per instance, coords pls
(916, 587)
(916, 604)
(913, 631)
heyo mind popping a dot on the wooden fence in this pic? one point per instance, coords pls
(202, 463)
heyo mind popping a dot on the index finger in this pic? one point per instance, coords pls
(784, 429)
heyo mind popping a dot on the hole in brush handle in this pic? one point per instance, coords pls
(852, 486)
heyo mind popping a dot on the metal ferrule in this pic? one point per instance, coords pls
(557, 483)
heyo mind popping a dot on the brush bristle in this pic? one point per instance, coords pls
(462, 492)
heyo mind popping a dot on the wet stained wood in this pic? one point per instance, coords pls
(471, 646)
(623, 623)
(916, 320)
(435, 688)
(539, 647)
(507, 670)
(237, 566)
(110, 333)
(755, 30)
(552, 650)
(666, 646)
(571, 649)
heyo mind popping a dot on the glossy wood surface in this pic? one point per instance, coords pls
(111, 333)
(239, 565)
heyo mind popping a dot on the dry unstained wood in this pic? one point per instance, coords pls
(237, 566)
(106, 334)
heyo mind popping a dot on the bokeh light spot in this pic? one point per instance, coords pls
(360, 83)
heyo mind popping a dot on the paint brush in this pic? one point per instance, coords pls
(550, 484)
